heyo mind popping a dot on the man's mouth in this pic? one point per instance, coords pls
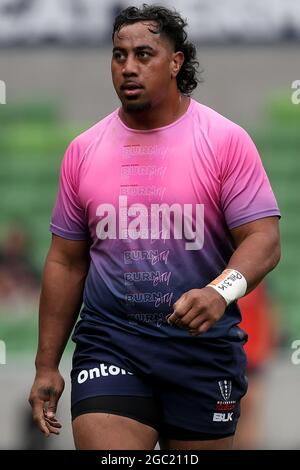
(131, 88)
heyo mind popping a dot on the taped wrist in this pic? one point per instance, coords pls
(231, 285)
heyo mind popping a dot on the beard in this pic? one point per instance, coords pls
(136, 107)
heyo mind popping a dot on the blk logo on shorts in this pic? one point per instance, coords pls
(222, 417)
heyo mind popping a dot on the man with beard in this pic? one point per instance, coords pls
(164, 218)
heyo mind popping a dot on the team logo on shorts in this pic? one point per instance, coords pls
(225, 406)
(225, 388)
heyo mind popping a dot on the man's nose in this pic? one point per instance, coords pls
(130, 67)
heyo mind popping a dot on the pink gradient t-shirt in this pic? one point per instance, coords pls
(158, 205)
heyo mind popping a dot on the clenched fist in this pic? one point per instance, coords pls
(198, 310)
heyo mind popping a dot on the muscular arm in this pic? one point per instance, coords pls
(61, 298)
(258, 249)
(257, 253)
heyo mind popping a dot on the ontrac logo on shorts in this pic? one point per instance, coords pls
(102, 371)
(160, 221)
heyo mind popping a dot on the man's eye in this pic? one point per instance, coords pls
(118, 56)
(143, 54)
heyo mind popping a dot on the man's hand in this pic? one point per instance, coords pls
(198, 310)
(45, 393)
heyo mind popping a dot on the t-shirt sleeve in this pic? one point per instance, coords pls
(246, 193)
(68, 217)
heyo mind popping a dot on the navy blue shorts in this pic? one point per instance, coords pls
(186, 390)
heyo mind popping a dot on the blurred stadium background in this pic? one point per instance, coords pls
(55, 62)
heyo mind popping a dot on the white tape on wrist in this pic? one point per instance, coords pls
(231, 285)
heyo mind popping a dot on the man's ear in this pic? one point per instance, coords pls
(176, 64)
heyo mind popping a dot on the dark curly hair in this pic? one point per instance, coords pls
(172, 25)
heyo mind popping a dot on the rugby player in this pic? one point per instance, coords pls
(164, 218)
